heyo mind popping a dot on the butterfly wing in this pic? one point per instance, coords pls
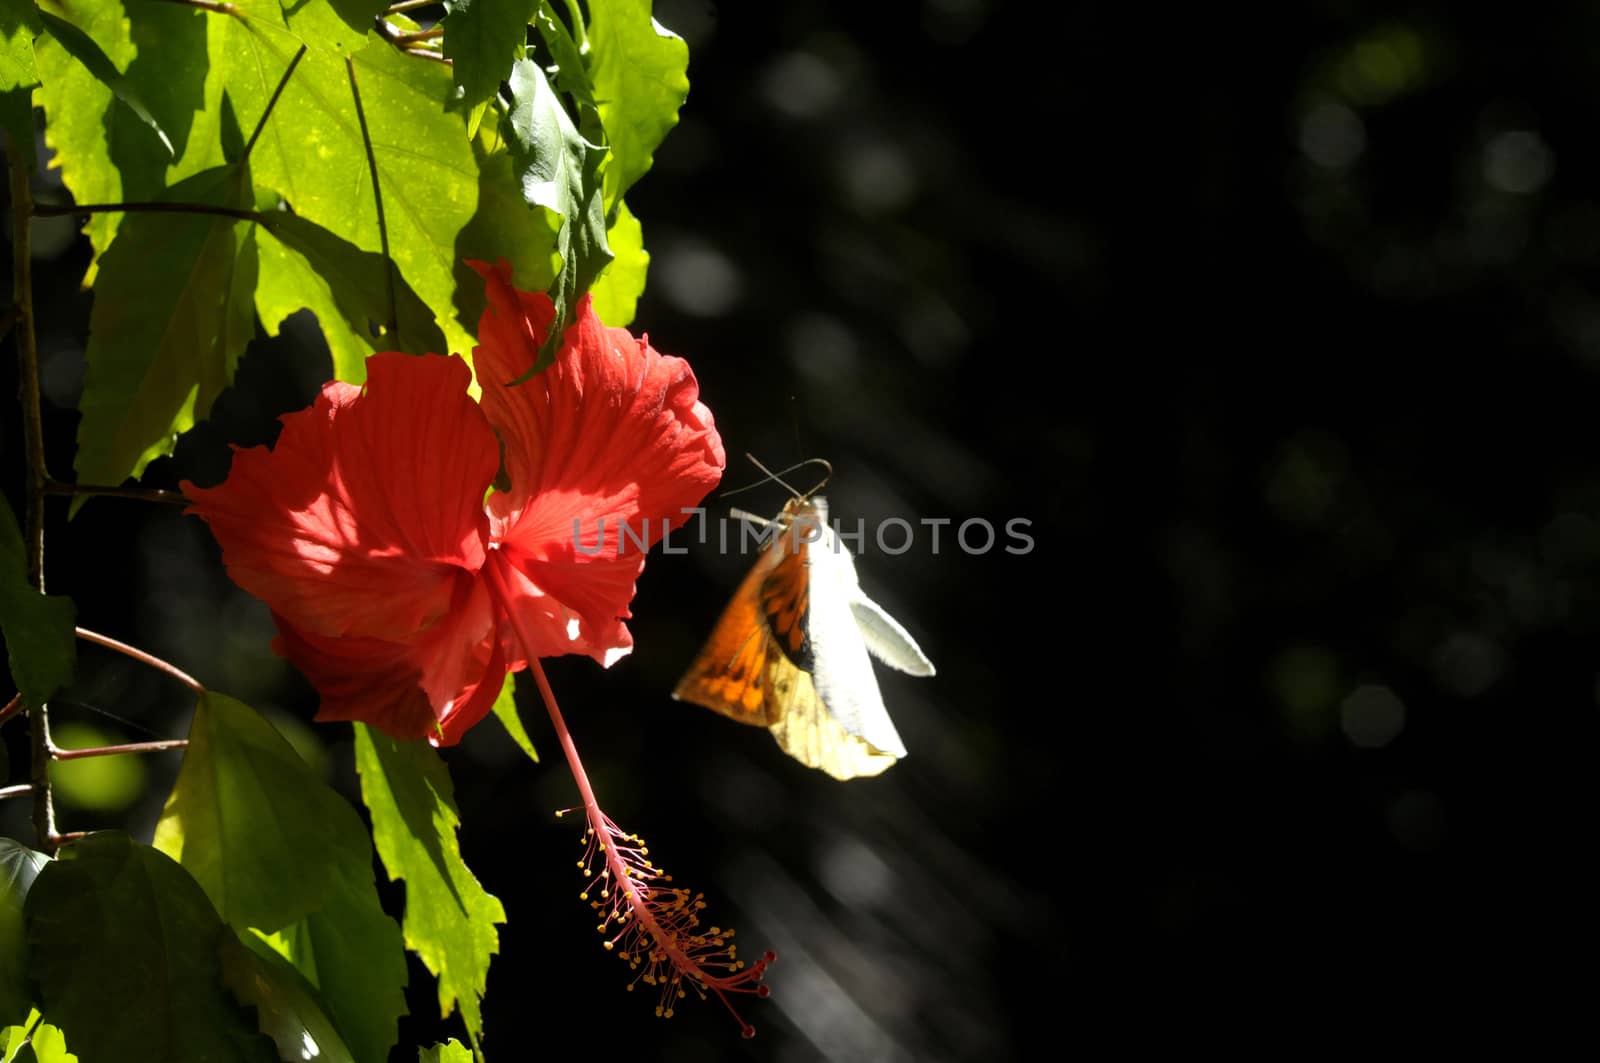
(886, 639)
(790, 654)
(733, 672)
(843, 673)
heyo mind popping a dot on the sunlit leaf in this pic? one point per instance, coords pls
(38, 628)
(19, 75)
(482, 38)
(108, 153)
(572, 77)
(504, 225)
(450, 1052)
(244, 811)
(172, 314)
(313, 150)
(304, 266)
(33, 1041)
(104, 916)
(640, 74)
(449, 919)
(616, 293)
(19, 866)
(560, 171)
(335, 25)
(286, 1006)
(505, 710)
(83, 48)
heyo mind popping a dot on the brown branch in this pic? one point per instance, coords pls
(13, 707)
(407, 5)
(19, 790)
(218, 6)
(44, 813)
(420, 35)
(52, 210)
(143, 658)
(111, 751)
(143, 494)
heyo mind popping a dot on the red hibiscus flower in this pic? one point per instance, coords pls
(404, 589)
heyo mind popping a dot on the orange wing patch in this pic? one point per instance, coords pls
(731, 674)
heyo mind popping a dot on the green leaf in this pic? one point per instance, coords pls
(19, 25)
(276, 849)
(353, 953)
(640, 74)
(482, 38)
(505, 710)
(123, 945)
(452, 1051)
(83, 48)
(572, 77)
(450, 919)
(504, 225)
(45, 1044)
(19, 75)
(244, 810)
(333, 25)
(616, 293)
(304, 266)
(560, 171)
(313, 150)
(38, 628)
(19, 866)
(286, 1006)
(172, 314)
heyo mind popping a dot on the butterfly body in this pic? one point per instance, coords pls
(790, 652)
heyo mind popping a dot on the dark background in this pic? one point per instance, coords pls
(1281, 328)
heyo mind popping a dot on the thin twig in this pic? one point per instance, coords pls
(52, 210)
(58, 840)
(420, 35)
(13, 707)
(218, 6)
(19, 790)
(393, 36)
(407, 5)
(44, 813)
(282, 84)
(392, 330)
(111, 751)
(142, 657)
(143, 494)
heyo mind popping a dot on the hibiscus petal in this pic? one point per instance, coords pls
(360, 518)
(614, 432)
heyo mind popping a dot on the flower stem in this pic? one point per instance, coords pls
(22, 211)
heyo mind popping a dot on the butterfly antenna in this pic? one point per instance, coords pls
(778, 477)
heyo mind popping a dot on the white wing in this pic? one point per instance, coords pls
(886, 639)
(843, 671)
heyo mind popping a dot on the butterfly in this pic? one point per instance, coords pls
(790, 651)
